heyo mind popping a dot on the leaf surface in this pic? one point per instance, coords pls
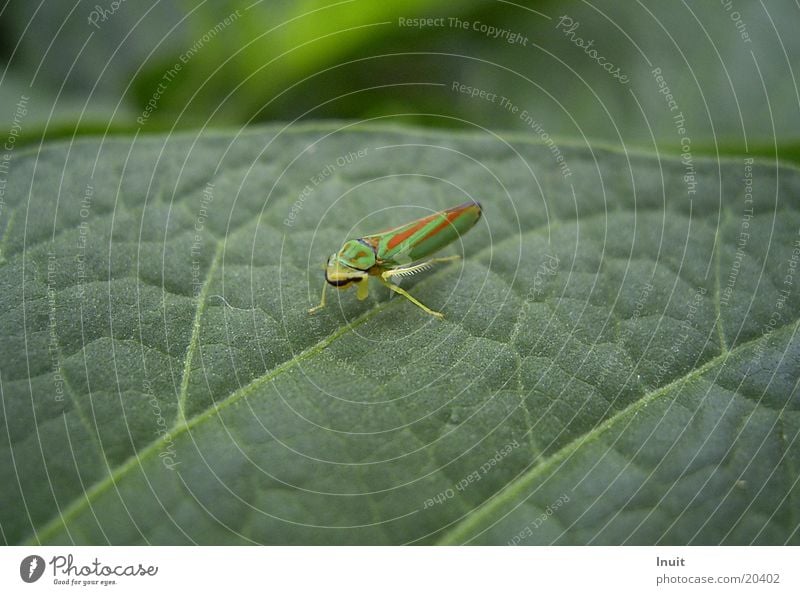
(617, 364)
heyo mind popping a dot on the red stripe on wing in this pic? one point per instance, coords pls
(450, 216)
(404, 235)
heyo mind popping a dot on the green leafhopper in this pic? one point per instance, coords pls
(398, 252)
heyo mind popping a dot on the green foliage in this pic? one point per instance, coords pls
(591, 347)
(732, 78)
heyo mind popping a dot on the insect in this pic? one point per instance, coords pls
(398, 252)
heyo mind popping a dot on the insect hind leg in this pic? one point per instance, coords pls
(410, 297)
(322, 301)
(407, 271)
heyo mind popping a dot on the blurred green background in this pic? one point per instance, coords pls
(92, 67)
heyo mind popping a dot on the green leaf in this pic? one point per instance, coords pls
(617, 363)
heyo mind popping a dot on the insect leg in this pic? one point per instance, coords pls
(405, 294)
(407, 271)
(363, 289)
(322, 301)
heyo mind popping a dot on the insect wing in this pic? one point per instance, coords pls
(418, 239)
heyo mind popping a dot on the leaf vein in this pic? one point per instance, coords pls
(202, 300)
(462, 528)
